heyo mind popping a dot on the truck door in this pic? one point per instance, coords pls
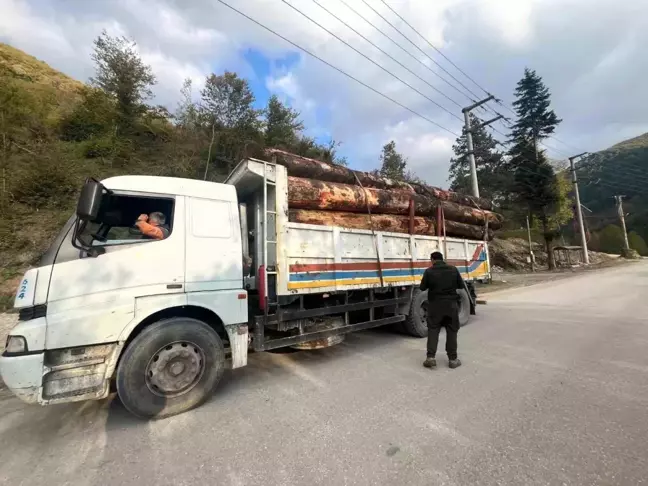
(214, 251)
(92, 299)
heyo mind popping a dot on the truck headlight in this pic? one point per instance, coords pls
(16, 344)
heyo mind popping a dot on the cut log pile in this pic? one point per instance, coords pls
(332, 195)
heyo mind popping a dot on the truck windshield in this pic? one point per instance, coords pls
(49, 256)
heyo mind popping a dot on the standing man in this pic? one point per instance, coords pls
(442, 282)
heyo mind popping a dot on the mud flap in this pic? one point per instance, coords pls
(472, 296)
(239, 341)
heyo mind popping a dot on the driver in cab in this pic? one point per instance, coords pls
(152, 226)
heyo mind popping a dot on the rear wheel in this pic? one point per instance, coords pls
(464, 307)
(172, 366)
(415, 323)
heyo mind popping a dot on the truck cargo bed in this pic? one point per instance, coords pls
(324, 259)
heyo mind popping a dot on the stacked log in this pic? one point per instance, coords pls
(386, 222)
(381, 222)
(299, 166)
(332, 195)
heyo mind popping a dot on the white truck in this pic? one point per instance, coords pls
(160, 319)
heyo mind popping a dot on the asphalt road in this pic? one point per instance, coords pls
(554, 390)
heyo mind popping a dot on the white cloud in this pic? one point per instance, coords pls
(590, 53)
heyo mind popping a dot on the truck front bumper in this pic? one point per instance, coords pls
(23, 375)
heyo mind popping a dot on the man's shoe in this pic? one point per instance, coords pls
(454, 363)
(430, 363)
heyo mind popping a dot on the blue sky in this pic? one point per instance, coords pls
(265, 68)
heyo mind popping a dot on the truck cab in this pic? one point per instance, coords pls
(102, 282)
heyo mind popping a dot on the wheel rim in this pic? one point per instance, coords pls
(175, 369)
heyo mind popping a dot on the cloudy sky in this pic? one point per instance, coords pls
(591, 54)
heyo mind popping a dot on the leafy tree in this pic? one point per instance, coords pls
(282, 124)
(393, 164)
(535, 180)
(228, 101)
(493, 179)
(328, 152)
(561, 211)
(187, 114)
(93, 116)
(637, 243)
(123, 75)
(227, 112)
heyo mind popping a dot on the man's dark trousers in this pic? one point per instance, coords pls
(443, 313)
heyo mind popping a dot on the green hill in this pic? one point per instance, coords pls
(619, 170)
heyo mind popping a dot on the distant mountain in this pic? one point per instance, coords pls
(631, 143)
(619, 170)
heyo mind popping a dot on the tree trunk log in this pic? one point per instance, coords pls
(470, 231)
(333, 196)
(381, 222)
(314, 169)
(386, 222)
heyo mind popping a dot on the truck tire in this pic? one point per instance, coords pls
(464, 307)
(172, 366)
(415, 324)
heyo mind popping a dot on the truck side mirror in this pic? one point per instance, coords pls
(90, 200)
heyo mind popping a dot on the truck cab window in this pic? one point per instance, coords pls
(128, 219)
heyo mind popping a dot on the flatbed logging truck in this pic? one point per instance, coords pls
(160, 319)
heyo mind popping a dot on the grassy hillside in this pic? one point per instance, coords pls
(42, 167)
(23, 66)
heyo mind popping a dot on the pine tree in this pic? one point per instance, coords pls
(282, 124)
(393, 164)
(489, 162)
(536, 185)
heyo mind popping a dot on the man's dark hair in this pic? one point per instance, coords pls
(437, 256)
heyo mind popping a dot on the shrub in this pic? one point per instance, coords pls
(638, 243)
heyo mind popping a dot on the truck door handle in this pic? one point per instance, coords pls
(174, 286)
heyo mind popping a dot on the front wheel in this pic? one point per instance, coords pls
(172, 366)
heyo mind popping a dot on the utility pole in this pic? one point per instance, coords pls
(531, 255)
(579, 211)
(471, 151)
(619, 203)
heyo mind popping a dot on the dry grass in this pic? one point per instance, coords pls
(28, 68)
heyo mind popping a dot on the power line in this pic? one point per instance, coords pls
(498, 101)
(420, 50)
(616, 187)
(631, 179)
(385, 53)
(369, 59)
(403, 49)
(637, 173)
(303, 49)
(437, 50)
(556, 171)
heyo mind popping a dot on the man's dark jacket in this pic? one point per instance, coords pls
(442, 282)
